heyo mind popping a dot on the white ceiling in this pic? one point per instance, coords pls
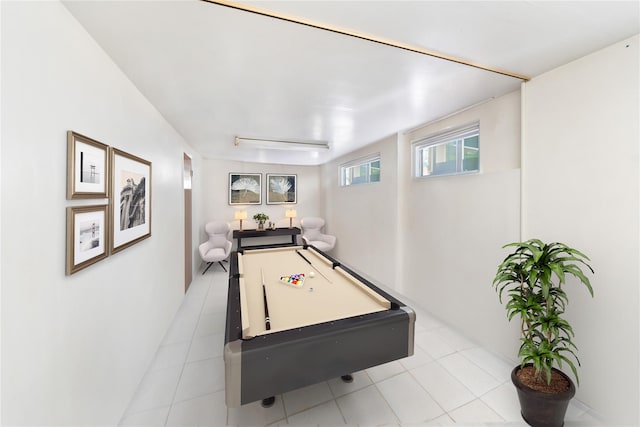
(215, 72)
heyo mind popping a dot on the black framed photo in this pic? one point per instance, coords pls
(131, 201)
(281, 189)
(245, 188)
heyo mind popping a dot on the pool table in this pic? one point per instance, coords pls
(282, 334)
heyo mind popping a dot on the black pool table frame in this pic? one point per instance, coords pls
(279, 362)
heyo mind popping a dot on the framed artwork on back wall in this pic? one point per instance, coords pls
(245, 188)
(281, 189)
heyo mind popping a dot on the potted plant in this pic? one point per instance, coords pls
(260, 218)
(532, 280)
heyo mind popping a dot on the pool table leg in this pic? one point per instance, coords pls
(268, 402)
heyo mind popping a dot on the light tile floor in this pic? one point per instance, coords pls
(449, 380)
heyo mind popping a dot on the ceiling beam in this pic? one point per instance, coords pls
(371, 38)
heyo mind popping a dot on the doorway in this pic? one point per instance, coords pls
(188, 232)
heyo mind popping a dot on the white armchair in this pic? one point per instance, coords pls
(218, 247)
(312, 234)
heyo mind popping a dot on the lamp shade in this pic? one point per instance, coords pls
(241, 215)
(290, 213)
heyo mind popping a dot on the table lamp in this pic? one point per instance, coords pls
(241, 215)
(290, 213)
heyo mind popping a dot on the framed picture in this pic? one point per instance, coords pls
(131, 200)
(245, 189)
(87, 167)
(281, 189)
(87, 231)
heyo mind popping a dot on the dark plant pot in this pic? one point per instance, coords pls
(540, 409)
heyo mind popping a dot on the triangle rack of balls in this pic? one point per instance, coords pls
(296, 280)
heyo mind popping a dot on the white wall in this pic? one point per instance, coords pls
(454, 227)
(215, 194)
(74, 348)
(580, 186)
(364, 217)
(438, 240)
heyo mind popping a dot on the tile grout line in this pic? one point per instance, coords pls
(335, 398)
(387, 402)
(184, 364)
(126, 411)
(445, 412)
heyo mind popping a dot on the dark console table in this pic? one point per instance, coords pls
(293, 232)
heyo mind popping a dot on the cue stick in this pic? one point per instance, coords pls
(319, 272)
(267, 322)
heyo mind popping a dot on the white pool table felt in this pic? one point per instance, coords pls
(321, 299)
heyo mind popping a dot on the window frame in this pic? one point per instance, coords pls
(459, 133)
(359, 162)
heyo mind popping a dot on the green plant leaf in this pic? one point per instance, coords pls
(531, 279)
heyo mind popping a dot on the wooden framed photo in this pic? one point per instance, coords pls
(87, 233)
(131, 200)
(87, 167)
(281, 189)
(245, 189)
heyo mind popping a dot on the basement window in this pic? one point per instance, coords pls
(454, 152)
(361, 171)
